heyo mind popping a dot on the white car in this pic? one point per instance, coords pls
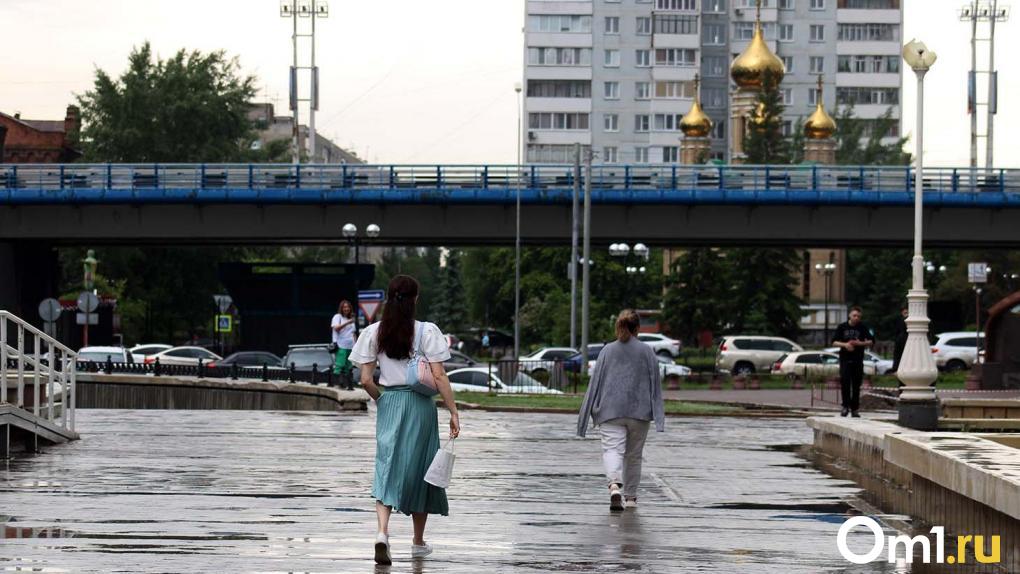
(667, 368)
(882, 366)
(184, 356)
(661, 344)
(139, 352)
(544, 359)
(101, 354)
(956, 351)
(482, 380)
(807, 364)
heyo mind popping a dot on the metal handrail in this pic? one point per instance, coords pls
(47, 356)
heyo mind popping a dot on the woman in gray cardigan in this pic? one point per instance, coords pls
(624, 395)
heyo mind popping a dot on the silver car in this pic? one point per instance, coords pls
(748, 354)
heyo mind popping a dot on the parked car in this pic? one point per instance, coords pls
(661, 344)
(184, 356)
(671, 370)
(808, 364)
(480, 379)
(957, 351)
(250, 359)
(747, 354)
(139, 352)
(882, 366)
(304, 357)
(458, 360)
(573, 364)
(543, 359)
(102, 354)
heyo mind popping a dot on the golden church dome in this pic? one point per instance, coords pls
(696, 124)
(820, 125)
(750, 68)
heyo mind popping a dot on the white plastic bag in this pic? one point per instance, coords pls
(441, 469)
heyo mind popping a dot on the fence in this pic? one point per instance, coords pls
(40, 365)
(312, 375)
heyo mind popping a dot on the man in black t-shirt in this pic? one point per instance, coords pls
(852, 338)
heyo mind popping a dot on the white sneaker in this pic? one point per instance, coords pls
(630, 503)
(421, 551)
(382, 550)
(615, 498)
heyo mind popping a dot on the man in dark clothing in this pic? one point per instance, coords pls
(901, 339)
(852, 338)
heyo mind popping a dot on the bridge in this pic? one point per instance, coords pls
(448, 204)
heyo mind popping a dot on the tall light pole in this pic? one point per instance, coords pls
(918, 406)
(350, 233)
(311, 9)
(622, 250)
(517, 243)
(826, 269)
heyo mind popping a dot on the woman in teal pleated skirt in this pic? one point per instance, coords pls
(407, 423)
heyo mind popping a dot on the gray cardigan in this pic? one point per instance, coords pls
(626, 383)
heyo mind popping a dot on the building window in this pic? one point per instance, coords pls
(676, 24)
(546, 153)
(557, 121)
(641, 154)
(609, 154)
(714, 66)
(869, 32)
(787, 4)
(869, 4)
(719, 130)
(559, 89)
(559, 23)
(667, 122)
(674, 90)
(642, 90)
(861, 95)
(787, 128)
(644, 25)
(611, 58)
(787, 63)
(868, 64)
(715, 6)
(787, 96)
(813, 94)
(713, 34)
(559, 56)
(675, 57)
(817, 32)
(817, 64)
(611, 123)
(714, 97)
(686, 5)
(745, 30)
(642, 123)
(786, 32)
(670, 154)
(612, 25)
(611, 90)
(818, 4)
(642, 58)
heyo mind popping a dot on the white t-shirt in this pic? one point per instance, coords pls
(344, 338)
(392, 372)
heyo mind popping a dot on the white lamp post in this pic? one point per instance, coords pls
(350, 233)
(517, 242)
(918, 408)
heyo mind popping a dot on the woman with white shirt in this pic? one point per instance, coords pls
(407, 424)
(342, 327)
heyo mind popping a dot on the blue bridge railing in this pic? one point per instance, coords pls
(644, 183)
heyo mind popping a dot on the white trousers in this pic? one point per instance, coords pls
(623, 440)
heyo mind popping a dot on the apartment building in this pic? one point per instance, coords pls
(618, 75)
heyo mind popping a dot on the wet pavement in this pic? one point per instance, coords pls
(215, 491)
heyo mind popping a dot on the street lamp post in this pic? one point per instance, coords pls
(918, 405)
(517, 242)
(350, 233)
(826, 269)
(623, 250)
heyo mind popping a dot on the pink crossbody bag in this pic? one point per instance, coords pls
(419, 370)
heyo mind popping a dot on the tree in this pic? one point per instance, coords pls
(449, 307)
(765, 143)
(765, 301)
(860, 142)
(190, 108)
(698, 296)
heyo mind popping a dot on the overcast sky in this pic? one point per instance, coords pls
(407, 81)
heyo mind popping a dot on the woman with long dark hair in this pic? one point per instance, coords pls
(624, 396)
(407, 425)
(342, 328)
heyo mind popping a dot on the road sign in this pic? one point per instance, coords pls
(93, 319)
(49, 310)
(977, 272)
(223, 302)
(88, 302)
(369, 303)
(224, 323)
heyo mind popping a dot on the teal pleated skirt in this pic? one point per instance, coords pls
(406, 441)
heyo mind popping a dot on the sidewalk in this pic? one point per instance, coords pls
(796, 399)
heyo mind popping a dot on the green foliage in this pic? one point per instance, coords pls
(449, 308)
(765, 142)
(877, 280)
(423, 265)
(189, 108)
(698, 294)
(860, 141)
(765, 301)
